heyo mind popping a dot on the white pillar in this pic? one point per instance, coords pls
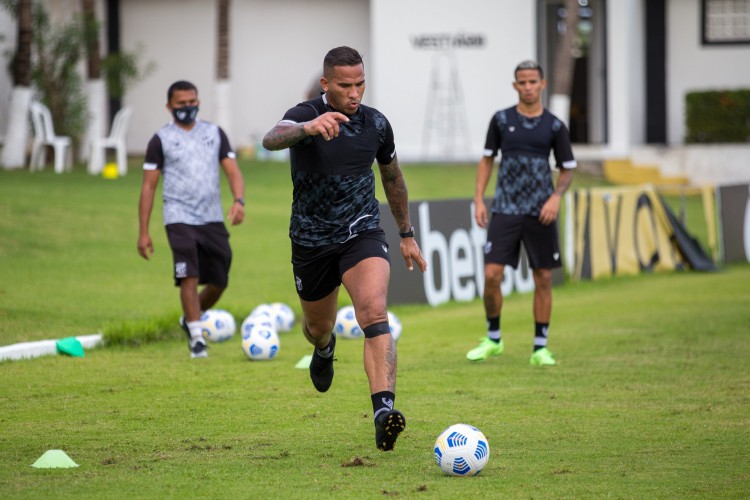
(17, 134)
(223, 108)
(97, 124)
(626, 75)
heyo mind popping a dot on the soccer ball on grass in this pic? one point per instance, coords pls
(218, 325)
(395, 325)
(462, 450)
(255, 321)
(346, 324)
(283, 316)
(261, 343)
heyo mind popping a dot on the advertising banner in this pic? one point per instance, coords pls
(453, 246)
(626, 231)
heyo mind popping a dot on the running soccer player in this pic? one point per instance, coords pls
(335, 226)
(525, 206)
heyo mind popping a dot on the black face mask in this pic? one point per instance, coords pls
(186, 114)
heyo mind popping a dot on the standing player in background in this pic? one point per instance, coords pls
(335, 231)
(525, 205)
(188, 152)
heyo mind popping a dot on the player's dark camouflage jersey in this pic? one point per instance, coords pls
(189, 162)
(334, 185)
(524, 178)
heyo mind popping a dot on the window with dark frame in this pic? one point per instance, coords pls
(725, 22)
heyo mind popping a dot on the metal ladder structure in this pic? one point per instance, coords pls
(445, 133)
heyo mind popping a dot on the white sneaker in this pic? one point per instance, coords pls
(198, 348)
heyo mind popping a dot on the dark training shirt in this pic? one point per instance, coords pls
(334, 185)
(524, 178)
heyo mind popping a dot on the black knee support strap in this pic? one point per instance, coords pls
(377, 329)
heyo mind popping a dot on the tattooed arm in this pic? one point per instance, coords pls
(286, 134)
(551, 208)
(398, 200)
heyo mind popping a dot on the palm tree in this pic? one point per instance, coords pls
(223, 94)
(562, 82)
(16, 136)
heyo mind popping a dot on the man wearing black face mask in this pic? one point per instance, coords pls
(187, 152)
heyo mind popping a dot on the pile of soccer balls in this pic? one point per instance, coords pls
(259, 331)
(347, 327)
(260, 338)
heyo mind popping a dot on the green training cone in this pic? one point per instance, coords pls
(54, 459)
(304, 362)
(70, 346)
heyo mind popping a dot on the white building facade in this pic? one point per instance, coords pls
(438, 69)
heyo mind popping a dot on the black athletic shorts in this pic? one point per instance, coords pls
(200, 251)
(318, 270)
(504, 237)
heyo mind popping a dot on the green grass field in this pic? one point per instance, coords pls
(650, 399)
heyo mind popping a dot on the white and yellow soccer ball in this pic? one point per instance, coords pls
(255, 321)
(261, 344)
(462, 450)
(262, 309)
(218, 325)
(283, 316)
(395, 325)
(346, 324)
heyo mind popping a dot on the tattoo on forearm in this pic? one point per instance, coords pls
(283, 136)
(563, 183)
(396, 192)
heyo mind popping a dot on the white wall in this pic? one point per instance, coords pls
(401, 87)
(178, 37)
(692, 66)
(7, 43)
(276, 49)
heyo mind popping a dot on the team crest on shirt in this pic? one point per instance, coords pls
(512, 128)
(207, 141)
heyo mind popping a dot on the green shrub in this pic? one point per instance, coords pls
(717, 116)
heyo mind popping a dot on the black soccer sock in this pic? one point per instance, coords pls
(328, 351)
(382, 402)
(540, 335)
(493, 329)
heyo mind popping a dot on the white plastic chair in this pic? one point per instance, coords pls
(115, 140)
(44, 135)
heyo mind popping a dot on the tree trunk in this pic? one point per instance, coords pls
(17, 135)
(223, 87)
(93, 52)
(222, 40)
(563, 72)
(22, 62)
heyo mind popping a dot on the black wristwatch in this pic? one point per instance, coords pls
(241, 201)
(408, 234)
